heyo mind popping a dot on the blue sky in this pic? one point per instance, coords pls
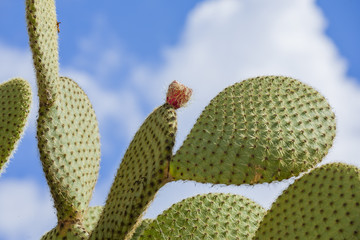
(124, 53)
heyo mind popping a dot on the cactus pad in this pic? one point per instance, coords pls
(68, 140)
(259, 130)
(140, 228)
(143, 170)
(42, 29)
(67, 231)
(91, 217)
(15, 102)
(210, 216)
(323, 204)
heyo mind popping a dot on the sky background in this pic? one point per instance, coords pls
(125, 53)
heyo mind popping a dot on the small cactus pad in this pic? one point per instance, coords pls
(323, 204)
(67, 231)
(42, 29)
(178, 94)
(143, 170)
(69, 145)
(210, 216)
(15, 102)
(91, 217)
(259, 130)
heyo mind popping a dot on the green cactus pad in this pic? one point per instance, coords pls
(210, 216)
(68, 141)
(42, 29)
(140, 228)
(259, 130)
(143, 170)
(15, 103)
(91, 217)
(323, 204)
(70, 231)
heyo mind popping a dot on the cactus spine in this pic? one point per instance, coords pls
(259, 130)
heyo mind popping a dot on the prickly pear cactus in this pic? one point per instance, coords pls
(259, 130)
(322, 204)
(15, 103)
(209, 216)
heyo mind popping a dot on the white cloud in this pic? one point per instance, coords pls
(26, 210)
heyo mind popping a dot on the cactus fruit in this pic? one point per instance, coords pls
(178, 94)
(15, 103)
(142, 172)
(209, 216)
(322, 204)
(259, 130)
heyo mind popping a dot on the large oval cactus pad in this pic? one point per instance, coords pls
(209, 216)
(69, 145)
(15, 103)
(142, 172)
(323, 204)
(259, 130)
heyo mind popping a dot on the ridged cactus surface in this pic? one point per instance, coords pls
(259, 130)
(42, 29)
(209, 216)
(323, 204)
(15, 102)
(69, 144)
(143, 170)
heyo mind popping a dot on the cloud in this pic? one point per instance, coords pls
(26, 210)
